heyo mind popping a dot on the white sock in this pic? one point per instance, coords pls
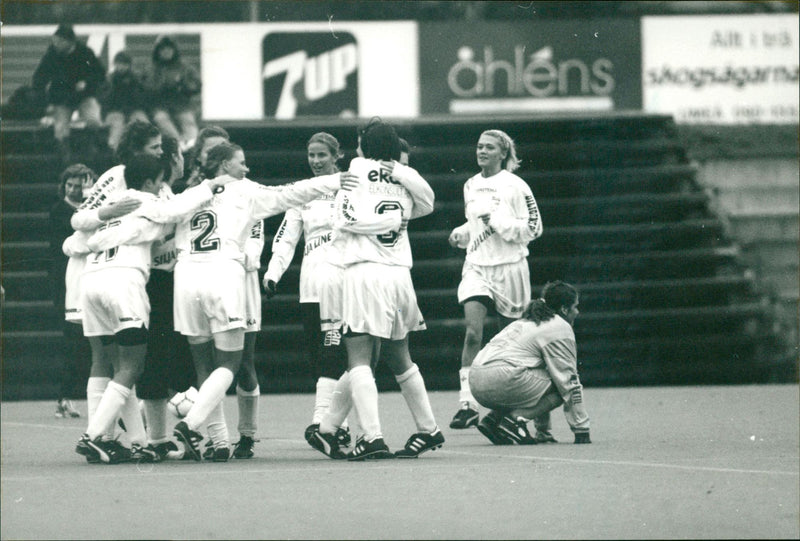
(464, 393)
(155, 411)
(365, 398)
(210, 393)
(108, 409)
(95, 388)
(131, 414)
(322, 400)
(412, 387)
(217, 426)
(248, 410)
(341, 402)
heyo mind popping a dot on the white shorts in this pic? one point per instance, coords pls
(114, 299)
(379, 300)
(252, 301)
(508, 285)
(330, 286)
(73, 310)
(209, 297)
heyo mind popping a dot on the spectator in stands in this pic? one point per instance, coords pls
(530, 368)
(77, 351)
(502, 218)
(70, 75)
(174, 87)
(125, 100)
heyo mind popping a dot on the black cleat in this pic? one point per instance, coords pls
(190, 440)
(373, 450)
(244, 447)
(488, 427)
(327, 444)
(419, 443)
(465, 417)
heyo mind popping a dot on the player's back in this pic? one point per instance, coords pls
(219, 229)
(377, 193)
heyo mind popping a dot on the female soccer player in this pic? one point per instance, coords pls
(502, 218)
(210, 276)
(530, 368)
(379, 303)
(319, 271)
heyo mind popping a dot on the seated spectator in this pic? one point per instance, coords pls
(174, 88)
(125, 100)
(70, 76)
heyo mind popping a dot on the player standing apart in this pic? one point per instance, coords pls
(530, 368)
(502, 218)
(379, 302)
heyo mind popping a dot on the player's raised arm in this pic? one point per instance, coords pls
(75, 244)
(349, 215)
(271, 200)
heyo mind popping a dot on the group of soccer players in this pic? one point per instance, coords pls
(165, 283)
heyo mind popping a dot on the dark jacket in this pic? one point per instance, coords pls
(126, 93)
(174, 84)
(59, 229)
(57, 75)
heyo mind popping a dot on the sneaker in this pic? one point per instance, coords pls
(488, 427)
(244, 447)
(190, 440)
(327, 444)
(516, 430)
(67, 409)
(465, 417)
(110, 451)
(60, 410)
(544, 437)
(420, 442)
(83, 448)
(374, 450)
(167, 450)
(144, 454)
(343, 436)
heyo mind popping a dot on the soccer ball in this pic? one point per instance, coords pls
(181, 403)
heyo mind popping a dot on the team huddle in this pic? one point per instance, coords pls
(163, 273)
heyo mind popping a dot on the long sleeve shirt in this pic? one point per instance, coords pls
(314, 223)
(549, 345)
(60, 74)
(370, 222)
(514, 219)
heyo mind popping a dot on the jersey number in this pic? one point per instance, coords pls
(388, 239)
(205, 223)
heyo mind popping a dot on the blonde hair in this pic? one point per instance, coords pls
(325, 138)
(510, 163)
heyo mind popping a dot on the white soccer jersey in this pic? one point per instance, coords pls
(85, 218)
(366, 218)
(514, 219)
(220, 228)
(132, 253)
(254, 244)
(76, 249)
(314, 222)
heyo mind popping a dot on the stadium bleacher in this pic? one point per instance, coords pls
(666, 295)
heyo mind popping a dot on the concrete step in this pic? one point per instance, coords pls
(735, 174)
(758, 200)
(751, 228)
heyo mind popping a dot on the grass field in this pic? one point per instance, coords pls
(666, 462)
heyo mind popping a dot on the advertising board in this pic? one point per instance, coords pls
(549, 65)
(725, 69)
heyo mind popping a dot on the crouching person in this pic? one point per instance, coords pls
(531, 368)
